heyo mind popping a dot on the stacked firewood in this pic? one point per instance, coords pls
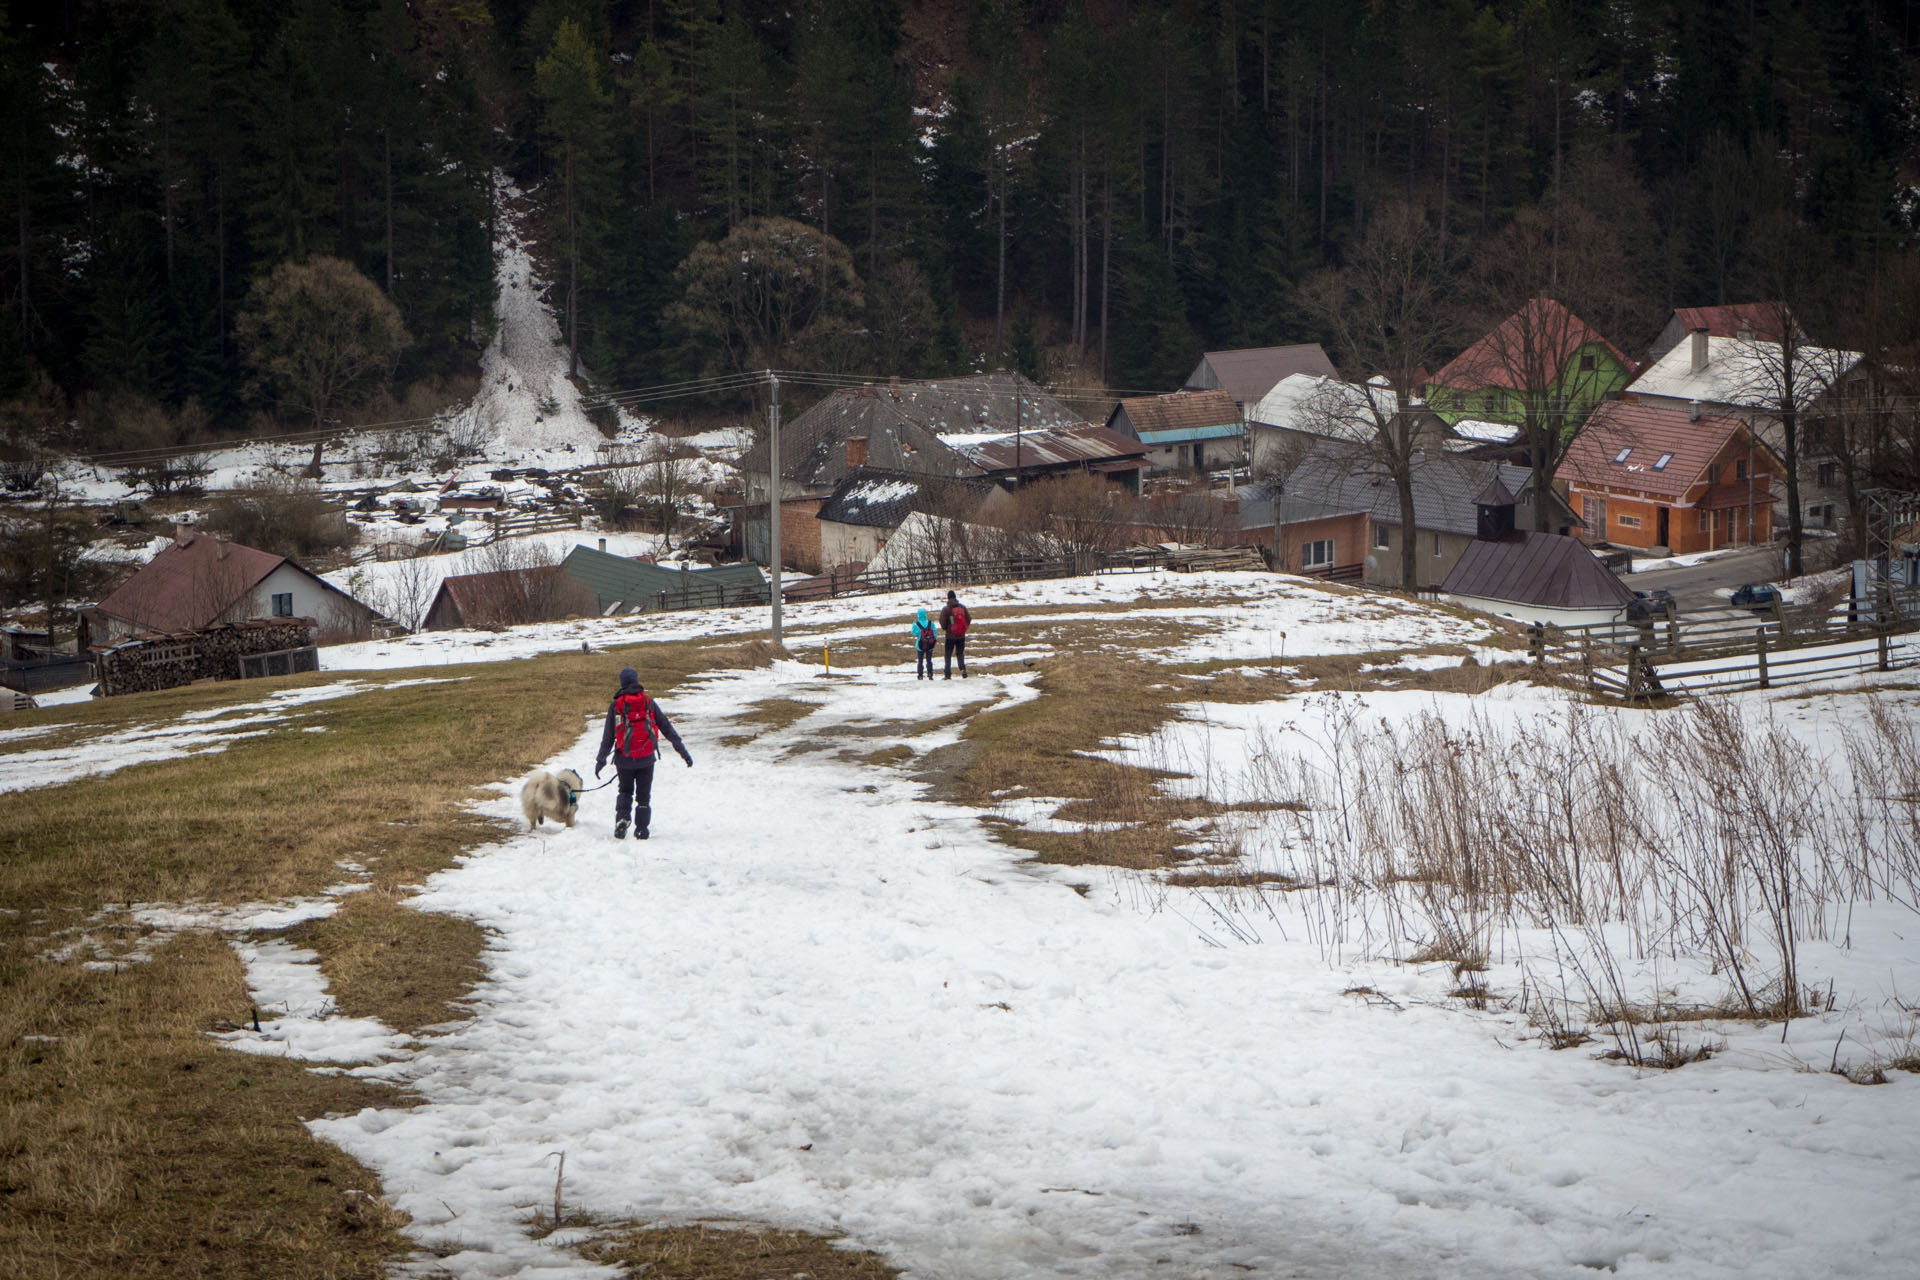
(157, 661)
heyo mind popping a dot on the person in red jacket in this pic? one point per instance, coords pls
(635, 725)
(954, 620)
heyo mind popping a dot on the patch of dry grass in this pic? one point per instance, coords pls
(384, 959)
(136, 1146)
(744, 1252)
(132, 1145)
(770, 715)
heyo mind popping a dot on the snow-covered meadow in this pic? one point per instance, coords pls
(819, 998)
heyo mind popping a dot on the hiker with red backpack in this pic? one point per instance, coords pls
(635, 724)
(954, 620)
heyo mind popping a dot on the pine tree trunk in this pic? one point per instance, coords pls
(386, 136)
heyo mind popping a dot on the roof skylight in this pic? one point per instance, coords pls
(1661, 465)
(1622, 455)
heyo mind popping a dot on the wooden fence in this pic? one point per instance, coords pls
(1726, 650)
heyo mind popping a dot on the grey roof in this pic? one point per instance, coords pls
(882, 499)
(1446, 488)
(621, 585)
(1251, 372)
(902, 423)
(1084, 443)
(1545, 569)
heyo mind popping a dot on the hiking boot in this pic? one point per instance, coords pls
(641, 834)
(620, 830)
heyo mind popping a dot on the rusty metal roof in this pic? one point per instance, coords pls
(1084, 442)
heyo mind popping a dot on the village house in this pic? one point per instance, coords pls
(1542, 359)
(1183, 431)
(1332, 516)
(1760, 320)
(200, 580)
(1666, 478)
(1249, 373)
(505, 597)
(618, 585)
(865, 509)
(1746, 376)
(1306, 408)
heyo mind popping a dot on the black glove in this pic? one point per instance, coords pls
(598, 765)
(686, 757)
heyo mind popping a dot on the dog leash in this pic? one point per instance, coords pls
(584, 790)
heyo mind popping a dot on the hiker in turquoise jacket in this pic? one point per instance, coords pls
(924, 636)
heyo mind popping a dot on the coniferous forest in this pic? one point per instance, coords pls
(1093, 193)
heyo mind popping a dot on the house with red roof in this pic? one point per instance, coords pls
(1748, 320)
(200, 580)
(1660, 476)
(1543, 358)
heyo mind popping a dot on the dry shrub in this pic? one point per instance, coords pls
(285, 516)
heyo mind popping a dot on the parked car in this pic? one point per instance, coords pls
(1761, 597)
(1659, 595)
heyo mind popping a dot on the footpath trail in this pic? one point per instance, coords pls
(817, 999)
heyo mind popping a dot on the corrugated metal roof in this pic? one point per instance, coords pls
(1743, 373)
(1083, 442)
(620, 585)
(1180, 411)
(1545, 569)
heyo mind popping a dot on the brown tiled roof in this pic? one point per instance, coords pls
(1251, 372)
(1724, 322)
(189, 584)
(1180, 411)
(1543, 329)
(1646, 433)
(1545, 569)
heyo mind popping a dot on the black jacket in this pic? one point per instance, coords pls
(667, 731)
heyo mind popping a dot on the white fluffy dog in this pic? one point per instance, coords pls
(551, 795)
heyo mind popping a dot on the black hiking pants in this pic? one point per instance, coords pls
(635, 794)
(956, 648)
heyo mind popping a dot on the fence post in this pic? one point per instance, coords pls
(1633, 672)
(1886, 648)
(1537, 641)
(1760, 652)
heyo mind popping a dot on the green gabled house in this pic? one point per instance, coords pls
(620, 585)
(1542, 360)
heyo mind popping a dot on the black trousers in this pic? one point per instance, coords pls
(635, 794)
(956, 648)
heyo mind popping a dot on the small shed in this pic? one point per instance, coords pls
(1184, 431)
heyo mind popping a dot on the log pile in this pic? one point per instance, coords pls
(166, 661)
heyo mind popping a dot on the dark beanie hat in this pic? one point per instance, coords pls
(951, 596)
(628, 676)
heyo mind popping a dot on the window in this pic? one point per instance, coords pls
(1586, 362)
(1382, 537)
(1628, 522)
(1740, 469)
(1829, 474)
(1317, 554)
(283, 604)
(1622, 455)
(1661, 464)
(1436, 544)
(1706, 521)
(1594, 512)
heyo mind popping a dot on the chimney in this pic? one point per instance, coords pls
(182, 534)
(1699, 361)
(221, 547)
(603, 544)
(1693, 411)
(1746, 329)
(856, 452)
(893, 385)
(1232, 504)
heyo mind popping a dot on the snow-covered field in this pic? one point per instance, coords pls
(820, 999)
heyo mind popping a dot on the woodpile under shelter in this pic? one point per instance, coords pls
(229, 651)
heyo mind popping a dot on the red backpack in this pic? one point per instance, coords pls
(960, 620)
(635, 736)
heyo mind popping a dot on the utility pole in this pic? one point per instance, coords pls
(1016, 433)
(773, 497)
